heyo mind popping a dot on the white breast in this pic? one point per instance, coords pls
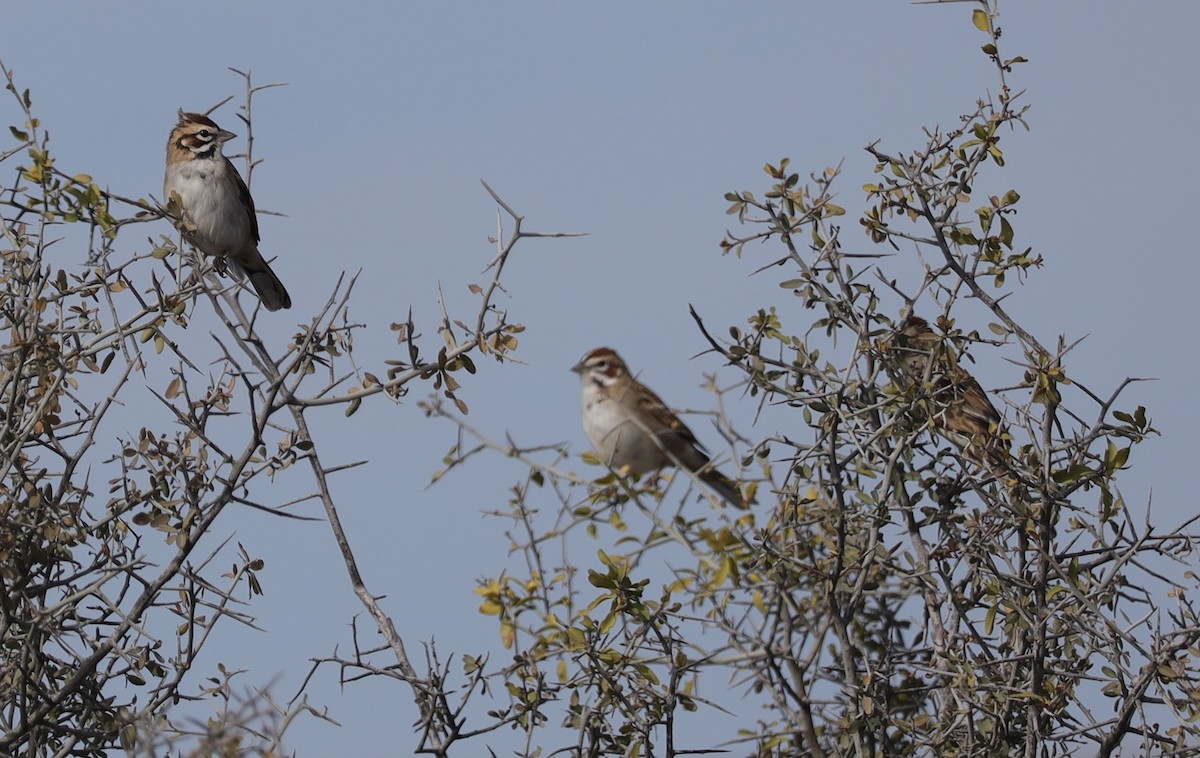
(618, 438)
(210, 202)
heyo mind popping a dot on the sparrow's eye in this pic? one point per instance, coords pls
(602, 364)
(204, 133)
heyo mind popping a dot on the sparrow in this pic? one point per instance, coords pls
(633, 429)
(216, 212)
(962, 412)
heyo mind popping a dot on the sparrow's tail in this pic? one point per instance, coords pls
(270, 290)
(725, 487)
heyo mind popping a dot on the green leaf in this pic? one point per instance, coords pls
(1070, 474)
(600, 581)
(1115, 458)
(1006, 233)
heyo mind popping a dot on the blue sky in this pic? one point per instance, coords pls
(628, 122)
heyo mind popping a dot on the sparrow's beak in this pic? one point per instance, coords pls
(578, 368)
(225, 136)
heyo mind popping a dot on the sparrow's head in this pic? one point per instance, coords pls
(914, 342)
(198, 136)
(915, 330)
(602, 366)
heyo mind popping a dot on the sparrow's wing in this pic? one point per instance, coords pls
(679, 441)
(659, 417)
(966, 414)
(247, 200)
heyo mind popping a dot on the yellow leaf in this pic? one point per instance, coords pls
(491, 588)
(980, 19)
(722, 573)
(609, 621)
